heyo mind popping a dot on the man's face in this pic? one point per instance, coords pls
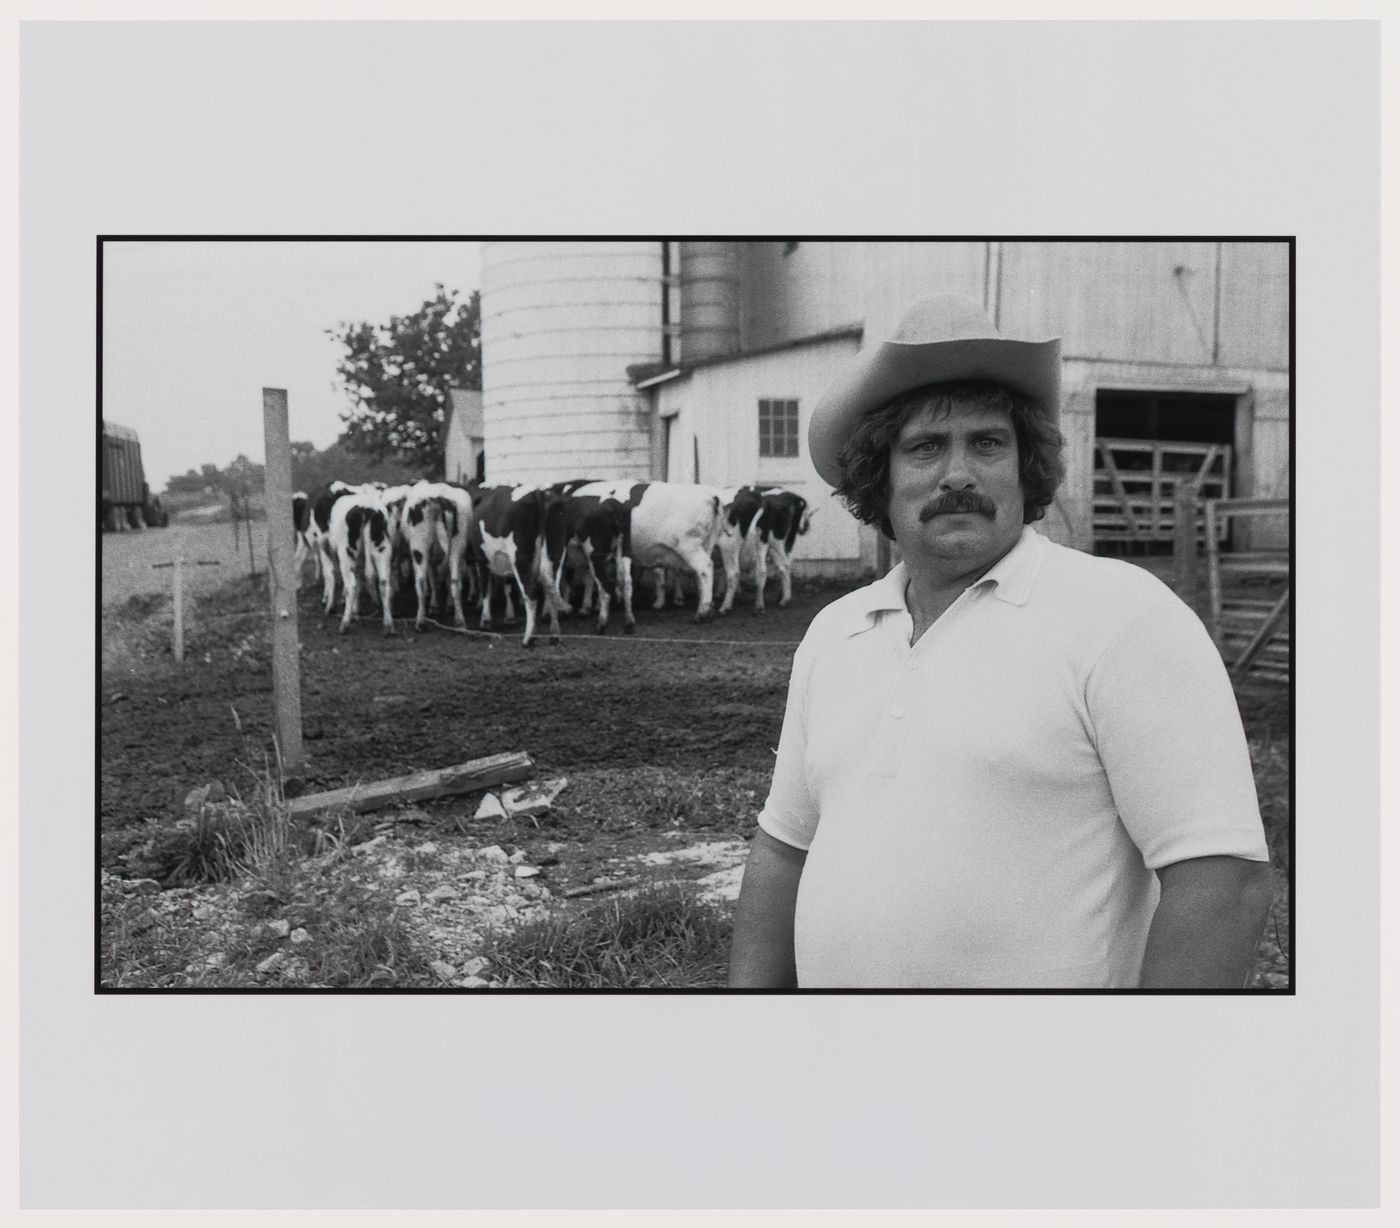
(955, 486)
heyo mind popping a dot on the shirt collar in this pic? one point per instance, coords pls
(1010, 580)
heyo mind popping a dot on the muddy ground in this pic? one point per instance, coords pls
(664, 731)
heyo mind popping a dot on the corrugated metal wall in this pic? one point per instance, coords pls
(709, 300)
(817, 287)
(1195, 304)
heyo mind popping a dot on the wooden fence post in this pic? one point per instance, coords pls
(248, 530)
(1184, 541)
(281, 582)
(178, 633)
(1213, 622)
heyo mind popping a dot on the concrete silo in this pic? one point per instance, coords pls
(560, 324)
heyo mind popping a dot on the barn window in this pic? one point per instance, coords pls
(777, 427)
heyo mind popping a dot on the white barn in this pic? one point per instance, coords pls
(464, 436)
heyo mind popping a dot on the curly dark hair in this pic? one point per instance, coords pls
(865, 460)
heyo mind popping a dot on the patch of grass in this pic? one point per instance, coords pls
(1271, 780)
(358, 940)
(355, 937)
(618, 800)
(661, 937)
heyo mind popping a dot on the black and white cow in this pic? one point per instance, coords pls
(301, 527)
(436, 526)
(318, 538)
(595, 531)
(361, 532)
(765, 522)
(669, 524)
(520, 533)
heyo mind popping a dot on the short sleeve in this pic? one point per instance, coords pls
(1169, 735)
(790, 813)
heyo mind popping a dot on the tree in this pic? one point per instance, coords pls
(399, 375)
(312, 471)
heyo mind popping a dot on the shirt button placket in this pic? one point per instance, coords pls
(893, 729)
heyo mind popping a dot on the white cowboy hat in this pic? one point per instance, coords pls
(943, 338)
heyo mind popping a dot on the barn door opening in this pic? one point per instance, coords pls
(1145, 443)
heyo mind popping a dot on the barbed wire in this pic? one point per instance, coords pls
(589, 638)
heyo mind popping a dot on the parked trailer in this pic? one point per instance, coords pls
(126, 495)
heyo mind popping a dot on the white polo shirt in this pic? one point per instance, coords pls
(987, 808)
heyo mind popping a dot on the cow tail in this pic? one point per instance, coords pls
(718, 526)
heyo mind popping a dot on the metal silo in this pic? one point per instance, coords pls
(709, 300)
(560, 324)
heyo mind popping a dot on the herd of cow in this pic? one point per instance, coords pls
(542, 545)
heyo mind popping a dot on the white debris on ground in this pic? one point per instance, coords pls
(719, 852)
(450, 896)
(490, 808)
(723, 885)
(534, 798)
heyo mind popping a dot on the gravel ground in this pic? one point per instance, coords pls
(127, 559)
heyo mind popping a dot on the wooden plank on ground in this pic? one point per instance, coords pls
(418, 786)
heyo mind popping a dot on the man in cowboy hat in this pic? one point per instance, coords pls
(1007, 764)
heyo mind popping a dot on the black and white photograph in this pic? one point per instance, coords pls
(685, 614)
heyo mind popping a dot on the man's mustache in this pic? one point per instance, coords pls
(958, 501)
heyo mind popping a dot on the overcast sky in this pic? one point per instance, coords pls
(192, 333)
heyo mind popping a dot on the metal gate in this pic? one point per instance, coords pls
(1135, 483)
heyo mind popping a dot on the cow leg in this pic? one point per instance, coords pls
(350, 581)
(422, 569)
(624, 578)
(454, 583)
(488, 588)
(367, 593)
(528, 640)
(760, 573)
(382, 567)
(592, 582)
(783, 562)
(550, 597)
(473, 582)
(729, 555)
(299, 558)
(699, 562)
(327, 564)
(432, 584)
(562, 589)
